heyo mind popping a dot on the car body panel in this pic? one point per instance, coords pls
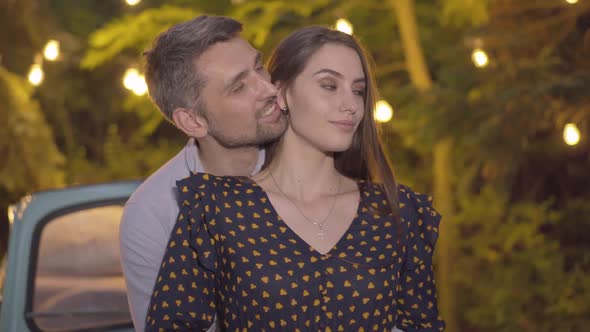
(27, 221)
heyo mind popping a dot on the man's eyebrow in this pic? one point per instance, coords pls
(337, 74)
(241, 75)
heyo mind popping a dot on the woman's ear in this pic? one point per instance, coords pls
(281, 94)
(189, 122)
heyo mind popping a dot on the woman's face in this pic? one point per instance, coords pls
(326, 100)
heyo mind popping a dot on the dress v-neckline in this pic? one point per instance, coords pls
(299, 238)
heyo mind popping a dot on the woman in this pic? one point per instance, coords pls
(312, 242)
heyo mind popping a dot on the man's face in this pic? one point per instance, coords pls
(240, 102)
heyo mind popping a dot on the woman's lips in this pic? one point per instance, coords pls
(344, 124)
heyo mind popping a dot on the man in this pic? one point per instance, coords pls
(210, 84)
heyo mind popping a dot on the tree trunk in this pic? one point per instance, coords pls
(442, 168)
(408, 29)
(443, 196)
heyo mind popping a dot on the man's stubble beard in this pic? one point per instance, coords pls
(262, 135)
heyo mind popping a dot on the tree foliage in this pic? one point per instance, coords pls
(523, 223)
(30, 160)
(132, 32)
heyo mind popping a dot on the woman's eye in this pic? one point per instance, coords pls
(329, 87)
(359, 92)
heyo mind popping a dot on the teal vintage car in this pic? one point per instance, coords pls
(62, 272)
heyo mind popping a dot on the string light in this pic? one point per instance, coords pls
(383, 111)
(36, 74)
(571, 134)
(344, 25)
(130, 78)
(11, 214)
(132, 2)
(571, 2)
(51, 51)
(479, 57)
(141, 88)
(135, 82)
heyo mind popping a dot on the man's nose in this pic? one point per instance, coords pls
(265, 87)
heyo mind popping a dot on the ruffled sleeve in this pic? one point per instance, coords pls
(184, 295)
(417, 304)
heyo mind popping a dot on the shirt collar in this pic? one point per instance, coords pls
(193, 162)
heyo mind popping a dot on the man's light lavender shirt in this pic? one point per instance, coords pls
(148, 219)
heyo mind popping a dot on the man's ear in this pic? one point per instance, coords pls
(190, 123)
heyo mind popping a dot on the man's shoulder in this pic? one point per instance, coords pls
(154, 204)
(162, 183)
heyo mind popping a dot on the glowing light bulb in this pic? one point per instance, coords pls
(571, 134)
(344, 25)
(36, 74)
(132, 2)
(130, 78)
(383, 111)
(480, 58)
(571, 2)
(135, 82)
(51, 51)
(140, 87)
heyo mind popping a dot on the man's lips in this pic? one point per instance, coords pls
(270, 109)
(271, 114)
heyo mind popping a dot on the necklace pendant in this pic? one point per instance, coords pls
(322, 235)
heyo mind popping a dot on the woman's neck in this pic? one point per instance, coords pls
(302, 171)
(219, 160)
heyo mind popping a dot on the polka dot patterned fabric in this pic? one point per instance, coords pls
(231, 255)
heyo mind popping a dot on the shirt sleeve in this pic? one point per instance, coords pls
(417, 305)
(142, 240)
(184, 297)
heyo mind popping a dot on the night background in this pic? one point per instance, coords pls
(491, 116)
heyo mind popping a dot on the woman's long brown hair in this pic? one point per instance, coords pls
(365, 158)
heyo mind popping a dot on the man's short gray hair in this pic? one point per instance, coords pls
(171, 73)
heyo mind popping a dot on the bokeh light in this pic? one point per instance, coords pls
(383, 111)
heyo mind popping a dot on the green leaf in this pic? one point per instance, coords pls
(30, 158)
(459, 13)
(132, 32)
(260, 17)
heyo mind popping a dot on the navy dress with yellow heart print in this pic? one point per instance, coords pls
(231, 255)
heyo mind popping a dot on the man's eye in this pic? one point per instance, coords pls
(237, 88)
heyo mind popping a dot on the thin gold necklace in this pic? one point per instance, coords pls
(320, 224)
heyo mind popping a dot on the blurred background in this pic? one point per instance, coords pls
(485, 104)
